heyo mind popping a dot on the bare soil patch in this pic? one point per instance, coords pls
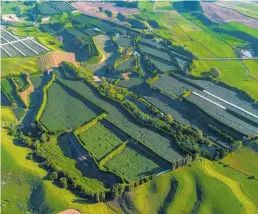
(53, 59)
(70, 211)
(220, 14)
(92, 9)
(11, 18)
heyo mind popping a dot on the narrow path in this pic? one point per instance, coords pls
(247, 205)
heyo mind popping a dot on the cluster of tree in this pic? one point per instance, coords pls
(121, 17)
(111, 91)
(215, 72)
(234, 144)
(85, 41)
(184, 161)
(145, 118)
(127, 4)
(108, 13)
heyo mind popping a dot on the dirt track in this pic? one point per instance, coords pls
(220, 14)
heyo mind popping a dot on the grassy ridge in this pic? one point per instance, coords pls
(19, 165)
(201, 188)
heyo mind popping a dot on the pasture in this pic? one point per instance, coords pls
(233, 74)
(38, 194)
(64, 111)
(188, 189)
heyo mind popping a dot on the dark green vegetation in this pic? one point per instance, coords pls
(110, 138)
(99, 140)
(132, 164)
(64, 111)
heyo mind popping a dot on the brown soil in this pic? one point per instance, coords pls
(92, 9)
(126, 76)
(70, 211)
(220, 14)
(53, 59)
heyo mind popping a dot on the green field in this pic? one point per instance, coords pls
(233, 73)
(131, 165)
(99, 140)
(252, 66)
(195, 189)
(53, 153)
(14, 66)
(64, 111)
(46, 197)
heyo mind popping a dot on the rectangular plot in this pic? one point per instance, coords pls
(171, 85)
(132, 164)
(4, 54)
(46, 9)
(99, 140)
(62, 6)
(64, 111)
(223, 116)
(7, 36)
(155, 52)
(34, 46)
(163, 67)
(24, 49)
(12, 50)
(160, 144)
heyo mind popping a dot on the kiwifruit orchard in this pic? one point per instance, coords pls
(129, 107)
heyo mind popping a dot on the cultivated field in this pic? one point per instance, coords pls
(65, 111)
(13, 46)
(99, 140)
(131, 165)
(53, 59)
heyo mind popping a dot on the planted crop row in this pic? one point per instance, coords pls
(161, 145)
(62, 6)
(154, 52)
(64, 111)
(222, 116)
(99, 140)
(131, 165)
(55, 157)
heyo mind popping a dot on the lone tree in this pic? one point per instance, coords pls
(214, 72)
(53, 176)
(63, 182)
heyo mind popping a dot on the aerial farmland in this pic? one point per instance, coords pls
(129, 107)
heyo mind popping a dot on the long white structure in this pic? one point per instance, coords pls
(231, 104)
(221, 106)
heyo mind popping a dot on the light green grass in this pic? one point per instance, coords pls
(244, 160)
(99, 140)
(146, 6)
(249, 9)
(44, 38)
(51, 193)
(233, 73)
(161, 195)
(252, 66)
(14, 66)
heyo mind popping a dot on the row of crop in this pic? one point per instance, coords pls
(111, 154)
(101, 168)
(232, 131)
(17, 92)
(44, 101)
(90, 124)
